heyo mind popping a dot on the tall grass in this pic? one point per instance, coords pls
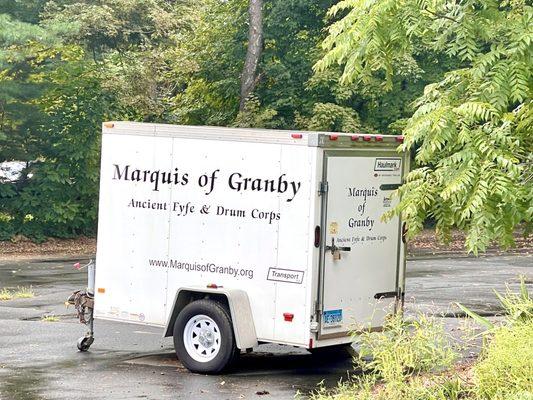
(415, 360)
(405, 348)
(19, 293)
(505, 367)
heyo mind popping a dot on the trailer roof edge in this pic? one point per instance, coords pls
(253, 135)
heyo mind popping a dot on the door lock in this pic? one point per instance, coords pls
(335, 250)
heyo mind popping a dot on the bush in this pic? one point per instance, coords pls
(405, 348)
(505, 369)
(407, 360)
(392, 360)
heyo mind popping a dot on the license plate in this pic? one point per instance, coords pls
(332, 318)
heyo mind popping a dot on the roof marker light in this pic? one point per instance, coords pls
(399, 139)
(109, 124)
(379, 138)
(354, 138)
(367, 138)
(296, 135)
(333, 137)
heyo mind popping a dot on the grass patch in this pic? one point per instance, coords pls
(415, 360)
(24, 293)
(6, 294)
(49, 318)
(19, 293)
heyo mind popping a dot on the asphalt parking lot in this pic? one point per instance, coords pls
(39, 359)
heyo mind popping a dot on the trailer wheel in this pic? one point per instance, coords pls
(84, 343)
(203, 337)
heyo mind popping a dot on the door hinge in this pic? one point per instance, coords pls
(318, 307)
(323, 188)
(385, 295)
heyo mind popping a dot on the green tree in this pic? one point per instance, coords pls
(208, 59)
(62, 74)
(473, 127)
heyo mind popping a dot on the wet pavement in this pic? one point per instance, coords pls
(39, 359)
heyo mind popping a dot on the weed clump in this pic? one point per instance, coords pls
(24, 293)
(6, 294)
(405, 348)
(413, 360)
(19, 293)
(49, 318)
(505, 367)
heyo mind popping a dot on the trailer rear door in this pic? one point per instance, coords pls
(361, 253)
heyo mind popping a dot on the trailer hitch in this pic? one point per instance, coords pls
(335, 250)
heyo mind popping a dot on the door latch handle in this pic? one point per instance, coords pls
(333, 248)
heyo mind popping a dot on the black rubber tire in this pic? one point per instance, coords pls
(84, 343)
(228, 349)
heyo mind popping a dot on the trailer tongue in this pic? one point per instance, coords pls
(228, 238)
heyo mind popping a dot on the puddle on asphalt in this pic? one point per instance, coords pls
(24, 384)
(39, 274)
(61, 318)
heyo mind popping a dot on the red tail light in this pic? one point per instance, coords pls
(288, 316)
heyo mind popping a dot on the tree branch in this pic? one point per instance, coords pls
(440, 15)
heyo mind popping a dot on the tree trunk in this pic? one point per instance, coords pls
(253, 53)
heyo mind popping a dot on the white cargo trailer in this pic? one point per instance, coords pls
(228, 238)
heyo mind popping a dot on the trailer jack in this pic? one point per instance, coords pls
(83, 302)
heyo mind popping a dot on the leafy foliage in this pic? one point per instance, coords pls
(66, 65)
(61, 77)
(407, 360)
(472, 128)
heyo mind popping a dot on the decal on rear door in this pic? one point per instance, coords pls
(285, 275)
(388, 164)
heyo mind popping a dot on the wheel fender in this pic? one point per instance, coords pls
(239, 307)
